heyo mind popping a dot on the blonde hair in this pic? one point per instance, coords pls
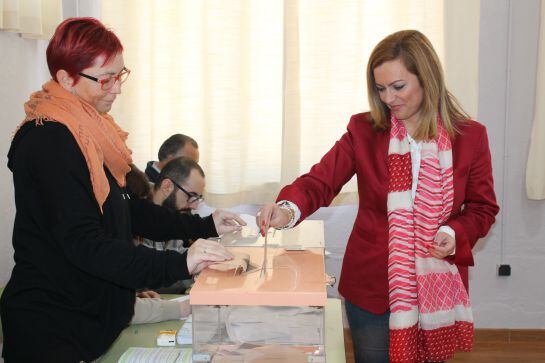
(417, 55)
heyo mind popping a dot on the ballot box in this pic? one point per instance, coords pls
(243, 312)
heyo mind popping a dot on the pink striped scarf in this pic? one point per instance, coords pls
(430, 314)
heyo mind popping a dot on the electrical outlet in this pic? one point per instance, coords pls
(504, 270)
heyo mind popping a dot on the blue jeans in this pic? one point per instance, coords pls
(370, 334)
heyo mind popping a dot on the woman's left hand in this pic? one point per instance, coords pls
(443, 245)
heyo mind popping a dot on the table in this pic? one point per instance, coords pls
(143, 335)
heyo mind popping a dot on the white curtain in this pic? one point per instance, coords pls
(535, 168)
(266, 87)
(35, 19)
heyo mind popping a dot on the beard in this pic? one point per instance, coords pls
(170, 204)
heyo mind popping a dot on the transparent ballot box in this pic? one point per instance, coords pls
(253, 314)
(229, 333)
(306, 234)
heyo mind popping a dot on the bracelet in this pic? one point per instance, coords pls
(291, 213)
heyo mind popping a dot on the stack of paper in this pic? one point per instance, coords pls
(185, 333)
(156, 355)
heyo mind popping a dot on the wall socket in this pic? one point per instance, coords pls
(504, 270)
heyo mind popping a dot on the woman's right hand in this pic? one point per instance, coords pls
(204, 253)
(273, 216)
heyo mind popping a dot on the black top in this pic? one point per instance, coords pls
(152, 173)
(72, 289)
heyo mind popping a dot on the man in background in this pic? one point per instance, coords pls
(179, 187)
(175, 146)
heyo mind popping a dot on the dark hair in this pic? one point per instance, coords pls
(178, 169)
(173, 144)
(138, 183)
(77, 43)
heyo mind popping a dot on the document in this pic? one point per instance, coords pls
(185, 333)
(180, 298)
(157, 355)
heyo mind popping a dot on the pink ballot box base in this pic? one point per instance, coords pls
(292, 278)
(240, 315)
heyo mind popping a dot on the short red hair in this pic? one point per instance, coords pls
(76, 45)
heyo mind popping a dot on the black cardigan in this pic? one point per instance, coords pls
(72, 289)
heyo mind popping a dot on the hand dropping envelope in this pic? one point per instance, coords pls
(247, 236)
(250, 223)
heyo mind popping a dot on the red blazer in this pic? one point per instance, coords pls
(363, 151)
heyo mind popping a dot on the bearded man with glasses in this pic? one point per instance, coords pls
(179, 188)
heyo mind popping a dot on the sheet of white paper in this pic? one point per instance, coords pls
(181, 298)
(185, 333)
(248, 236)
(156, 355)
(250, 222)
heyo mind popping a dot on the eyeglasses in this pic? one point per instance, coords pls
(192, 197)
(107, 83)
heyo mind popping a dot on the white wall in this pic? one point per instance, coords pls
(508, 55)
(71, 8)
(22, 71)
(508, 59)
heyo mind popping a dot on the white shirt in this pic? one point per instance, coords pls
(416, 160)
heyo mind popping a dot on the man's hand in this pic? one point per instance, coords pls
(226, 221)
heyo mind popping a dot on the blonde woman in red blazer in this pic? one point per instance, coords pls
(408, 97)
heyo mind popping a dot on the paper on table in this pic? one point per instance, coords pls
(156, 355)
(181, 298)
(185, 333)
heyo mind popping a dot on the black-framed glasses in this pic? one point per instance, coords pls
(192, 197)
(107, 83)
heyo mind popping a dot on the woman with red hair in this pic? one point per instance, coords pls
(72, 290)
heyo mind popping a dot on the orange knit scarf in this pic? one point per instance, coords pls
(101, 140)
